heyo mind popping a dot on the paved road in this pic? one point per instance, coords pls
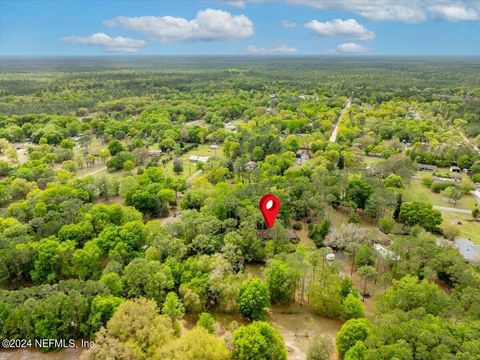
(333, 137)
(455, 210)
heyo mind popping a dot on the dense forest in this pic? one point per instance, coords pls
(129, 212)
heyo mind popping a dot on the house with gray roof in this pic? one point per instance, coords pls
(426, 167)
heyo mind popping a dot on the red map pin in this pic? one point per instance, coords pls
(269, 206)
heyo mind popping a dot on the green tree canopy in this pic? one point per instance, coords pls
(254, 297)
(260, 341)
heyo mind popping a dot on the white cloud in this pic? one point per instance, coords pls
(351, 47)
(455, 12)
(349, 28)
(278, 49)
(288, 24)
(409, 11)
(209, 25)
(235, 3)
(401, 10)
(106, 42)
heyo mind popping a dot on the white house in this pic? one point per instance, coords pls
(196, 159)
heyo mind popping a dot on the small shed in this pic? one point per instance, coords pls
(154, 152)
(426, 167)
(251, 165)
(455, 169)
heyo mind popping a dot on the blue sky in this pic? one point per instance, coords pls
(239, 27)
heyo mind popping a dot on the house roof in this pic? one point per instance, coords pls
(197, 158)
(154, 152)
(426, 166)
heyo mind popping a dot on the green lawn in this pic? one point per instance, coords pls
(370, 160)
(305, 241)
(443, 172)
(419, 192)
(190, 167)
(97, 169)
(468, 229)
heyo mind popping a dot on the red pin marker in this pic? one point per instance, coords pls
(269, 206)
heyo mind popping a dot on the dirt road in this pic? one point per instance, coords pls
(333, 137)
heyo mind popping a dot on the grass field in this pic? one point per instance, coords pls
(442, 172)
(419, 192)
(190, 167)
(468, 229)
(97, 169)
(370, 160)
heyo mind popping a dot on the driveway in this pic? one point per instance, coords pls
(455, 210)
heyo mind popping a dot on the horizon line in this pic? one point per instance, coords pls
(246, 56)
